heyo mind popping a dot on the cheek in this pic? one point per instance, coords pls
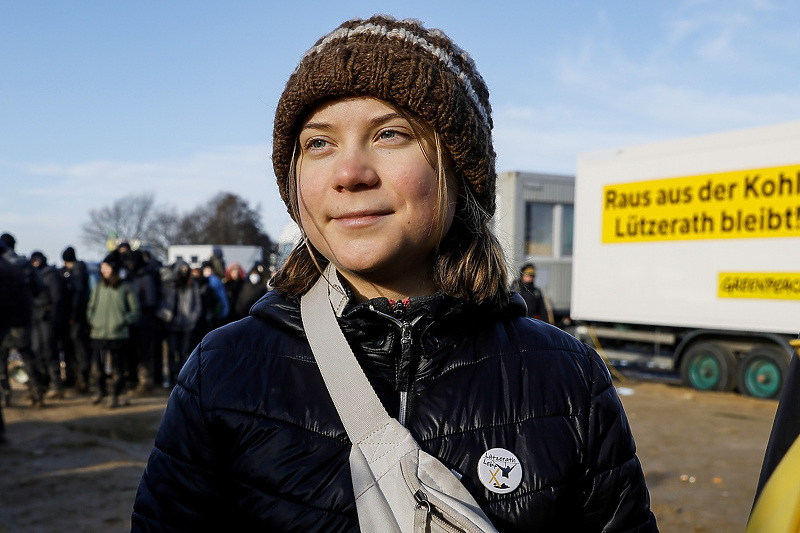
(307, 195)
(306, 202)
(419, 186)
(310, 209)
(424, 194)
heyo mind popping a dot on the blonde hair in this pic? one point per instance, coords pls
(469, 260)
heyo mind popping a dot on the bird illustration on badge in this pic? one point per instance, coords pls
(499, 470)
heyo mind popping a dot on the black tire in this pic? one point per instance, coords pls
(762, 371)
(708, 366)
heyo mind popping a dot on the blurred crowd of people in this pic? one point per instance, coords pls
(123, 331)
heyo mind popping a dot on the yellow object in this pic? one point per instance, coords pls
(753, 203)
(778, 507)
(763, 285)
(616, 373)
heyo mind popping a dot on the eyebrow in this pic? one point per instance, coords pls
(374, 121)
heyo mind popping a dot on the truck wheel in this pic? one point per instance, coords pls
(708, 366)
(762, 371)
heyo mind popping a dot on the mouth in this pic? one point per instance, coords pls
(361, 217)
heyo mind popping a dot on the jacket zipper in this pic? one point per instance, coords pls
(405, 359)
(404, 364)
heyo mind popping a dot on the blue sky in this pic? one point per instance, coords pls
(102, 99)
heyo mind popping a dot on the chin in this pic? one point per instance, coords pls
(360, 267)
(361, 259)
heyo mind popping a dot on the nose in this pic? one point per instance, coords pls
(354, 170)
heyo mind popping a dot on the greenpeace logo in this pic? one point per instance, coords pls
(773, 286)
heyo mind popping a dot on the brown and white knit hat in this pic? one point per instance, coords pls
(401, 62)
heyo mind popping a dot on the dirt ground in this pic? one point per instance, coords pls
(75, 467)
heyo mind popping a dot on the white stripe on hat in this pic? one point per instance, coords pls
(403, 34)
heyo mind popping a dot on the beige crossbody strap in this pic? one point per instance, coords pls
(359, 407)
(398, 487)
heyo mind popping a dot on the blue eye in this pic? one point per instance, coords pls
(317, 143)
(389, 134)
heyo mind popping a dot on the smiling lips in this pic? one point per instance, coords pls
(356, 219)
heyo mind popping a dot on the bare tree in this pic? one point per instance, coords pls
(225, 219)
(165, 231)
(132, 218)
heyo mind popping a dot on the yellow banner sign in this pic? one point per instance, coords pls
(771, 286)
(754, 203)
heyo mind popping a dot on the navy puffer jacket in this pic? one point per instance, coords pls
(251, 441)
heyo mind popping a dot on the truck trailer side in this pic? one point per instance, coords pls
(689, 250)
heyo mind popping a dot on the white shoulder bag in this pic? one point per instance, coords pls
(398, 487)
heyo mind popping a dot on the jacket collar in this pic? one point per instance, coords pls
(276, 307)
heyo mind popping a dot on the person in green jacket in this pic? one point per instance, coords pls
(113, 307)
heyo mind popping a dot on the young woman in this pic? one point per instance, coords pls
(382, 149)
(113, 307)
(234, 281)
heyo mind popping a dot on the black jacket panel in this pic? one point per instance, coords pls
(76, 290)
(251, 440)
(48, 305)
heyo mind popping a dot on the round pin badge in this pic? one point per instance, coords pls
(499, 470)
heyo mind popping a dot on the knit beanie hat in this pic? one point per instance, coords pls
(113, 260)
(403, 63)
(8, 240)
(69, 254)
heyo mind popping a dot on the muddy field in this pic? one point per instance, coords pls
(75, 467)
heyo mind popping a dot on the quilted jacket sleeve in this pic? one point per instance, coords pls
(177, 491)
(615, 496)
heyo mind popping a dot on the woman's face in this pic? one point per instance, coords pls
(105, 270)
(368, 197)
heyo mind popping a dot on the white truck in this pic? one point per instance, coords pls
(689, 250)
(195, 254)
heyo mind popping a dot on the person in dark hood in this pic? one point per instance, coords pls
(222, 308)
(48, 321)
(253, 288)
(209, 302)
(19, 337)
(123, 253)
(75, 334)
(217, 261)
(145, 332)
(13, 299)
(152, 269)
(180, 310)
(534, 299)
(234, 281)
